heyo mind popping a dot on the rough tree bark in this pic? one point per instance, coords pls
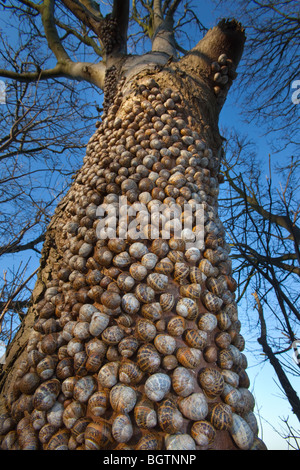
(158, 139)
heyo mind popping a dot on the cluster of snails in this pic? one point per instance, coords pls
(222, 71)
(137, 343)
(110, 87)
(109, 33)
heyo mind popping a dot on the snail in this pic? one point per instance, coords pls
(180, 442)
(72, 413)
(169, 417)
(194, 406)
(189, 357)
(98, 402)
(122, 398)
(122, 429)
(148, 358)
(241, 432)
(97, 435)
(145, 414)
(129, 373)
(203, 433)
(108, 374)
(211, 381)
(183, 381)
(157, 386)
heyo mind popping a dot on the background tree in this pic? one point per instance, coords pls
(262, 224)
(160, 124)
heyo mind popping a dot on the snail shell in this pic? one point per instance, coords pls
(84, 388)
(187, 308)
(128, 346)
(72, 413)
(223, 340)
(231, 377)
(181, 271)
(93, 362)
(111, 300)
(108, 374)
(224, 321)
(165, 344)
(145, 414)
(125, 282)
(55, 414)
(208, 322)
(98, 402)
(193, 291)
(157, 386)
(189, 357)
(138, 272)
(129, 373)
(68, 386)
(144, 293)
(211, 381)
(217, 285)
(169, 417)
(203, 433)
(122, 260)
(167, 302)
(112, 335)
(207, 268)
(164, 266)
(196, 275)
(180, 442)
(78, 431)
(97, 436)
(130, 304)
(183, 382)
(225, 359)
(122, 429)
(29, 382)
(241, 432)
(158, 282)
(149, 260)
(194, 406)
(46, 432)
(148, 359)
(65, 368)
(148, 442)
(220, 416)
(138, 250)
(231, 396)
(46, 394)
(117, 245)
(195, 338)
(122, 398)
(211, 301)
(176, 326)
(145, 330)
(152, 311)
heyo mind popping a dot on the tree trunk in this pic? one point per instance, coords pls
(151, 359)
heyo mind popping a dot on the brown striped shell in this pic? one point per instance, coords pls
(98, 435)
(169, 417)
(189, 357)
(122, 398)
(241, 432)
(193, 291)
(183, 381)
(203, 433)
(211, 381)
(194, 406)
(130, 373)
(176, 326)
(211, 301)
(122, 429)
(145, 330)
(145, 414)
(167, 301)
(148, 358)
(165, 344)
(152, 311)
(195, 338)
(187, 308)
(220, 416)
